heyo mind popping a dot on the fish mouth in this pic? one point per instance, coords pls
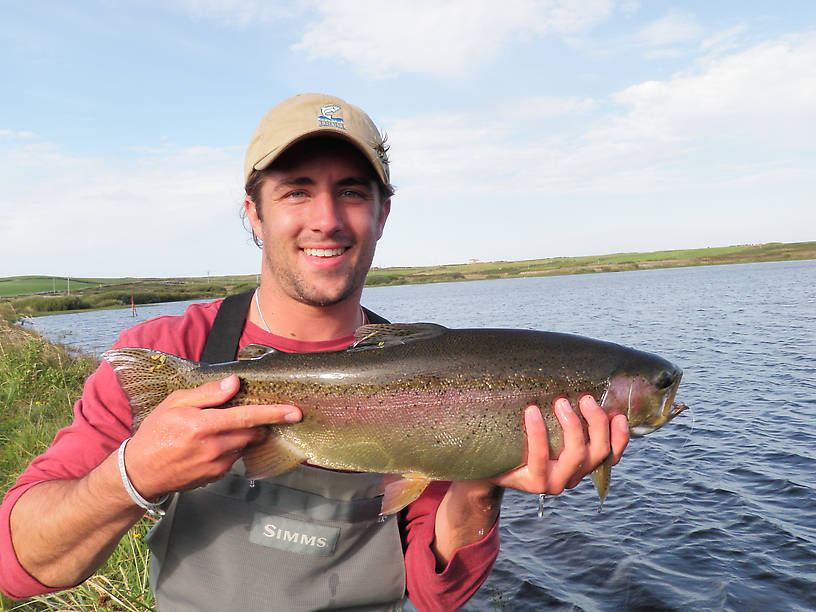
(646, 401)
(670, 409)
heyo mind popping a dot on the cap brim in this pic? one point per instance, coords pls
(365, 149)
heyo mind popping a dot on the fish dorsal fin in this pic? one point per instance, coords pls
(378, 335)
(255, 351)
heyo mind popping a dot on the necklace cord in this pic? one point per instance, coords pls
(266, 326)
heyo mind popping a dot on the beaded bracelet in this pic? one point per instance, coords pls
(153, 508)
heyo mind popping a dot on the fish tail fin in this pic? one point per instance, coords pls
(601, 476)
(147, 377)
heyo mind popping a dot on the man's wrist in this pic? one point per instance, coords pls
(153, 507)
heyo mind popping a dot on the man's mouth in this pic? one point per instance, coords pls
(325, 252)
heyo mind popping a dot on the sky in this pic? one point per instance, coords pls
(519, 129)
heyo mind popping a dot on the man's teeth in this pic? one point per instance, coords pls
(324, 252)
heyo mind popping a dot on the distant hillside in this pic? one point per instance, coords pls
(32, 295)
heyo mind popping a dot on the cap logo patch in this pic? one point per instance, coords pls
(326, 117)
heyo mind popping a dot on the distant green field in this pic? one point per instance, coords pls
(88, 293)
(26, 285)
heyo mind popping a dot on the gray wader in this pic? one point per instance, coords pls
(308, 539)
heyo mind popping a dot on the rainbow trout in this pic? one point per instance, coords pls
(419, 402)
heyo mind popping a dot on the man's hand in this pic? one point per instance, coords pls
(186, 443)
(580, 456)
(470, 507)
(63, 530)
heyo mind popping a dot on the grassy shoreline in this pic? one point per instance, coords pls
(39, 383)
(99, 293)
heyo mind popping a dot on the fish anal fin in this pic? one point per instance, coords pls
(401, 490)
(255, 351)
(601, 476)
(271, 457)
(379, 335)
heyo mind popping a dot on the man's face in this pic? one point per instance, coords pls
(320, 219)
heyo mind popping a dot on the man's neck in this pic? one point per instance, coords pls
(290, 318)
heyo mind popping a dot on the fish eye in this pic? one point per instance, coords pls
(664, 379)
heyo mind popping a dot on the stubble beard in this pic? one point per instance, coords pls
(308, 292)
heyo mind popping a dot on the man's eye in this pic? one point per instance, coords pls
(297, 194)
(351, 193)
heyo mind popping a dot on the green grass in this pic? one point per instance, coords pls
(39, 383)
(15, 286)
(612, 262)
(26, 285)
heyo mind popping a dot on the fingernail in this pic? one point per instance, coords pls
(291, 417)
(225, 384)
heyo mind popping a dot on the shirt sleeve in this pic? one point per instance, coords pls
(432, 591)
(102, 420)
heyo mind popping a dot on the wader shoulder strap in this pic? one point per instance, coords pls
(222, 341)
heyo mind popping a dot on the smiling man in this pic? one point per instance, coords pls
(318, 197)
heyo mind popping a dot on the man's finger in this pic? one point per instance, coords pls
(247, 417)
(574, 453)
(620, 436)
(538, 446)
(598, 428)
(208, 395)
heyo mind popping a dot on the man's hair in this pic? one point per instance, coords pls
(257, 177)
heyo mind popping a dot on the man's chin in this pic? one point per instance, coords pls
(324, 297)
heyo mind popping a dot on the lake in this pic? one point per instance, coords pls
(717, 511)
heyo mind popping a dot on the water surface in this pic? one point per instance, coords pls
(714, 512)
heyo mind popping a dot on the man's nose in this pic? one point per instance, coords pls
(325, 213)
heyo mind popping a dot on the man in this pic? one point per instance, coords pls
(318, 197)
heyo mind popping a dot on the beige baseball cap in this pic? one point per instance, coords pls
(308, 115)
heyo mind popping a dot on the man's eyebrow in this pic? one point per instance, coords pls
(296, 181)
(351, 181)
(354, 181)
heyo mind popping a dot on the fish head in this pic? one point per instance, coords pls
(645, 397)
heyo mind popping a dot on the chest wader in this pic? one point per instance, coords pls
(308, 539)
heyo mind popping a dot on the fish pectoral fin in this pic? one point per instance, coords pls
(255, 351)
(401, 490)
(379, 335)
(271, 457)
(601, 476)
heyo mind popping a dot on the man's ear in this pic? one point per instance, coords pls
(252, 215)
(384, 210)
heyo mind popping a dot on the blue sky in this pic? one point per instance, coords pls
(518, 129)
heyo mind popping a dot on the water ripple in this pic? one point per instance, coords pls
(716, 511)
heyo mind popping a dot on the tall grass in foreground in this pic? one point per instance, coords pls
(39, 383)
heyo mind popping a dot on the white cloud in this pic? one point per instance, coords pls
(540, 107)
(437, 38)
(723, 41)
(766, 93)
(703, 155)
(673, 35)
(166, 213)
(717, 124)
(669, 30)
